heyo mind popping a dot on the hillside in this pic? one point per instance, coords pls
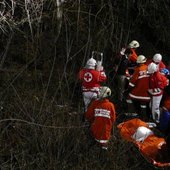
(43, 46)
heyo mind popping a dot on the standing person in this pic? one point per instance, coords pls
(157, 59)
(138, 85)
(101, 115)
(133, 45)
(121, 66)
(91, 81)
(157, 83)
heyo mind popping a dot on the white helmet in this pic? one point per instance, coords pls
(141, 59)
(104, 92)
(91, 63)
(141, 134)
(157, 58)
(152, 68)
(134, 44)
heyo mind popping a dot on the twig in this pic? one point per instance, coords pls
(43, 126)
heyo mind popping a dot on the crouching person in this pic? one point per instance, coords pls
(101, 115)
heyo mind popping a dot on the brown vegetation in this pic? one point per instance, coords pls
(43, 45)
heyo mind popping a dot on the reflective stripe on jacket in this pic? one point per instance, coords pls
(140, 83)
(157, 83)
(102, 115)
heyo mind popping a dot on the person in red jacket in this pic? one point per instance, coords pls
(139, 84)
(91, 80)
(132, 46)
(157, 59)
(157, 83)
(101, 115)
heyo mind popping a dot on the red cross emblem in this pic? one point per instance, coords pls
(88, 77)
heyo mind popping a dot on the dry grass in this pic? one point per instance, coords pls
(55, 137)
(40, 123)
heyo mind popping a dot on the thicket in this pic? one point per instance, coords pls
(43, 45)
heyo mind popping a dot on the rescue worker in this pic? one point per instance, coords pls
(101, 115)
(133, 45)
(157, 83)
(121, 65)
(157, 59)
(91, 81)
(138, 87)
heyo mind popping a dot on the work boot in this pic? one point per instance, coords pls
(143, 113)
(131, 108)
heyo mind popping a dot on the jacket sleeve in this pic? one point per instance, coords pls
(133, 56)
(113, 113)
(102, 76)
(134, 78)
(161, 65)
(165, 81)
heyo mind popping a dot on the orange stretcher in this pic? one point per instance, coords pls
(153, 148)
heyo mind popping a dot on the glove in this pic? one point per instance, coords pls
(99, 66)
(99, 63)
(151, 124)
(122, 52)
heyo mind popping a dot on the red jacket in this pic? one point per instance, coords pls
(133, 56)
(102, 115)
(132, 61)
(157, 82)
(140, 84)
(161, 64)
(91, 78)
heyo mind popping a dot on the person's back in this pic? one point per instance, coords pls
(140, 82)
(157, 83)
(121, 65)
(91, 80)
(101, 114)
